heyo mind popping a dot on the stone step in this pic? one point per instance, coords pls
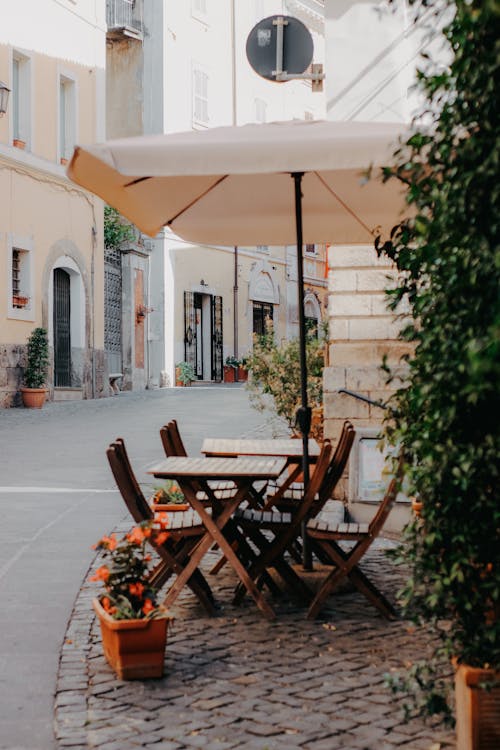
(68, 394)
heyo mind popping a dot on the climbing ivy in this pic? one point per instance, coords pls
(447, 413)
(116, 229)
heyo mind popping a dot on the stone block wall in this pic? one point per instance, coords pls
(13, 361)
(362, 331)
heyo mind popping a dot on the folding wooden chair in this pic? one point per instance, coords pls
(338, 462)
(184, 531)
(328, 535)
(172, 442)
(284, 527)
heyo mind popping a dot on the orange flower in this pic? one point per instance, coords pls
(161, 537)
(106, 603)
(136, 536)
(162, 519)
(101, 574)
(109, 541)
(136, 589)
(148, 607)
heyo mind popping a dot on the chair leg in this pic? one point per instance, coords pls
(346, 567)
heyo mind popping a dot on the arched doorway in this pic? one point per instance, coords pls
(62, 328)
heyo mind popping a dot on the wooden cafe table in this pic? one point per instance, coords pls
(289, 449)
(193, 473)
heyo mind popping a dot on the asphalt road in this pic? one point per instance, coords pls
(57, 498)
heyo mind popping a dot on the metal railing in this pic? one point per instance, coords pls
(125, 14)
(367, 400)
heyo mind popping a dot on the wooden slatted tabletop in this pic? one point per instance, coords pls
(218, 468)
(288, 448)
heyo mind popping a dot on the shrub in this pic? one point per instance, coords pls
(35, 372)
(275, 378)
(447, 414)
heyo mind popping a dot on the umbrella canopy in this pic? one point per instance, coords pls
(263, 184)
(232, 186)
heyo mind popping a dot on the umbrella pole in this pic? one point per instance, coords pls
(304, 411)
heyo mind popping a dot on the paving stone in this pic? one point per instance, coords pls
(238, 681)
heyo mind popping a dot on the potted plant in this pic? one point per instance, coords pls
(35, 373)
(133, 625)
(242, 369)
(184, 373)
(444, 413)
(231, 369)
(169, 497)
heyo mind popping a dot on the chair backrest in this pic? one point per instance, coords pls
(337, 466)
(306, 507)
(127, 482)
(171, 439)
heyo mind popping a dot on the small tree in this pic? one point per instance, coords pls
(35, 372)
(275, 378)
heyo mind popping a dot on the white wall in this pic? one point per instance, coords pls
(371, 54)
(61, 28)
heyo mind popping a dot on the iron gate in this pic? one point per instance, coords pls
(62, 330)
(217, 338)
(113, 308)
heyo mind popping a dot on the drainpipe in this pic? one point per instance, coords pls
(92, 307)
(234, 118)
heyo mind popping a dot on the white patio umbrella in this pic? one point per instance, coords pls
(263, 184)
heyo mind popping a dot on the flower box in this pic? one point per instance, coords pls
(135, 649)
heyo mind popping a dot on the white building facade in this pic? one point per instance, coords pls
(191, 72)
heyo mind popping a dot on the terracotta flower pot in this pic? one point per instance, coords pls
(477, 708)
(242, 374)
(170, 507)
(18, 143)
(229, 374)
(416, 506)
(135, 649)
(33, 398)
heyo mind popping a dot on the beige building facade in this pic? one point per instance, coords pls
(371, 56)
(51, 243)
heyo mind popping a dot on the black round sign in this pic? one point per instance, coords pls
(298, 47)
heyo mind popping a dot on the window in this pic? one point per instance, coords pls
(21, 96)
(311, 249)
(262, 248)
(308, 115)
(20, 297)
(200, 97)
(67, 117)
(262, 311)
(260, 110)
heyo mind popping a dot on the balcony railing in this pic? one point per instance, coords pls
(125, 16)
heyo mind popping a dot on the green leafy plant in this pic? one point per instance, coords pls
(275, 378)
(37, 362)
(127, 592)
(446, 415)
(116, 229)
(232, 361)
(168, 492)
(185, 372)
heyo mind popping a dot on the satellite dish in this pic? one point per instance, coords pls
(279, 47)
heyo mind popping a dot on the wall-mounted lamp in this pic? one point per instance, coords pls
(4, 98)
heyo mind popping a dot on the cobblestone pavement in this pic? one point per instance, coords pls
(239, 681)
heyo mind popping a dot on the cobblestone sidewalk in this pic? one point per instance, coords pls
(238, 681)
